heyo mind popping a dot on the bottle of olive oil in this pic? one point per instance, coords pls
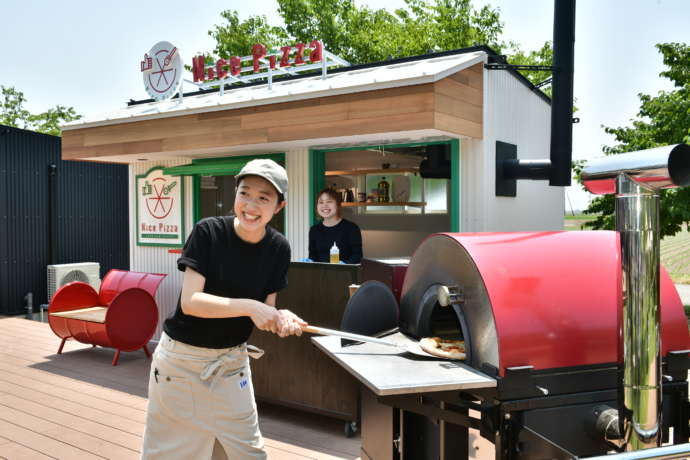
(384, 191)
(335, 254)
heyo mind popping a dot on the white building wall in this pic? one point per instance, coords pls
(298, 206)
(513, 114)
(472, 196)
(157, 259)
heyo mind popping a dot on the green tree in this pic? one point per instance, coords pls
(13, 113)
(662, 120)
(361, 35)
(237, 37)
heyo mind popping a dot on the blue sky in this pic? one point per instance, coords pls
(86, 54)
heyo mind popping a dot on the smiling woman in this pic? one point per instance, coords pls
(334, 233)
(233, 268)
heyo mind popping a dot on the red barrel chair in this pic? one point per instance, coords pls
(123, 315)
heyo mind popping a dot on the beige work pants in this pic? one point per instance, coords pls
(201, 404)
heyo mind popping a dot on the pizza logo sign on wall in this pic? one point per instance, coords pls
(159, 205)
(162, 71)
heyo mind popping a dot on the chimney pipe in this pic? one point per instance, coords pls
(557, 169)
(562, 92)
(636, 179)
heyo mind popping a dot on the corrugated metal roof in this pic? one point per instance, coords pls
(367, 79)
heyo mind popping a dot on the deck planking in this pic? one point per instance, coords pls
(77, 406)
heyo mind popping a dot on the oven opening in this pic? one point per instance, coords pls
(445, 322)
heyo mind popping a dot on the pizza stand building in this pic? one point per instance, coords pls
(430, 126)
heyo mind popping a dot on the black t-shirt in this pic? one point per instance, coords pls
(346, 236)
(233, 268)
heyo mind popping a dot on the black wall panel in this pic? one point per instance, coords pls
(90, 215)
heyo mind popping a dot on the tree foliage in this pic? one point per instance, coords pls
(662, 120)
(13, 113)
(362, 35)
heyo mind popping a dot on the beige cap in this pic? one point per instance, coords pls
(269, 170)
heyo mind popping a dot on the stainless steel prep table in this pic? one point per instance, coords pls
(388, 371)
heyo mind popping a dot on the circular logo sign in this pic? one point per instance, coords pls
(162, 71)
(160, 204)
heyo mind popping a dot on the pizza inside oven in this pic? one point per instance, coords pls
(443, 348)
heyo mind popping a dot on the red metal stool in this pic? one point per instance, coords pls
(123, 315)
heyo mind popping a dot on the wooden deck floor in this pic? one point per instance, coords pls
(77, 406)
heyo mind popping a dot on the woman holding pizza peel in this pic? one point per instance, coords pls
(201, 400)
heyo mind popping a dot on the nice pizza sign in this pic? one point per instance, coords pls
(162, 68)
(160, 217)
(288, 56)
(264, 63)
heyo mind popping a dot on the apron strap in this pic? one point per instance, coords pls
(228, 360)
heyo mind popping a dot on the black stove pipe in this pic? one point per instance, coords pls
(52, 214)
(558, 168)
(562, 92)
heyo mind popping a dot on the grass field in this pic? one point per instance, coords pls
(675, 256)
(675, 250)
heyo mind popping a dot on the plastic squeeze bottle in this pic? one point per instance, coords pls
(335, 254)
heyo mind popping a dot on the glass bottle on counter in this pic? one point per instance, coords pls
(335, 254)
(384, 191)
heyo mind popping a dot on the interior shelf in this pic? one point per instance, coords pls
(418, 204)
(364, 172)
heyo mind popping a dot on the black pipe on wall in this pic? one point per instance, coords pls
(557, 169)
(52, 214)
(562, 92)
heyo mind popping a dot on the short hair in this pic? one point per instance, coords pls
(333, 194)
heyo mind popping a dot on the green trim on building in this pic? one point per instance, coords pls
(370, 146)
(226, 166)
(455, 197)
(317, 179)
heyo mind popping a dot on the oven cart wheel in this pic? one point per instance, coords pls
(350, 429)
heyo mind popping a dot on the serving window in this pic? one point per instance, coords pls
(397, 194)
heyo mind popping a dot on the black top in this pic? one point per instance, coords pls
(233, 268)
(346, 236)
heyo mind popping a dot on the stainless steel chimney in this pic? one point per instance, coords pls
(636, 179)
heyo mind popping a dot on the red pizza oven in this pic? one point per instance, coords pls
(539, 313)
(547, 300)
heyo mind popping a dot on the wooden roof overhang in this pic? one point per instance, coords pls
(450, 107)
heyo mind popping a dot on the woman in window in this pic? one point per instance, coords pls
(334, 229)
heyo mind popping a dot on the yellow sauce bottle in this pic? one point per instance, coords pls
(384, 191)
(335, 254)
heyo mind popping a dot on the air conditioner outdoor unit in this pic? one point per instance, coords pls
(59, 275)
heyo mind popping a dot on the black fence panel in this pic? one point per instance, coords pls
(92, 220)
(87, 221)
